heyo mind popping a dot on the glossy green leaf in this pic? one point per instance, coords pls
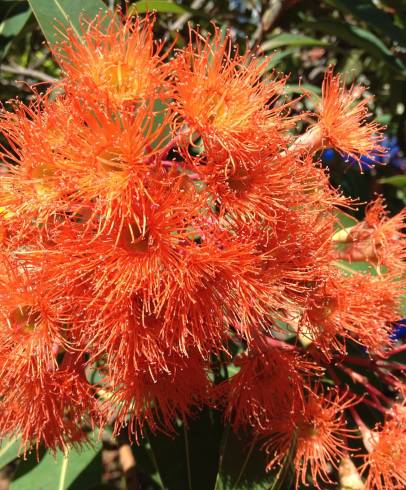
(375, 17)
(54, 14)
(345, 220)
(9, 450)
(297, 40)
(361, 38)
(162, 6)
(79, 470)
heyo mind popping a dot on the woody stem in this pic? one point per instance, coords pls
(309, 142)
(358, 378)
(396, 350)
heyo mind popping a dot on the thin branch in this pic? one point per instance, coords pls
(27, 72)
(182, 20)
(245, 463)
(268, 18)
(187, 453)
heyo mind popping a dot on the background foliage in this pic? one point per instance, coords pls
(365, 39)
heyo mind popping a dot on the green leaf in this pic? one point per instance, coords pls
(278, 56)
(192, 455)
(345, 220)
(350, 268)
(9, 450)
(79, 470)
(29, 462)
(302, 88)
(10, 28)
(396, 180)
(375, 17)
(360, 37)
(146, 462)
(242, 464)
(52, 14)
(161, 6)
(13, 25)
(159, 109)
(297, 40)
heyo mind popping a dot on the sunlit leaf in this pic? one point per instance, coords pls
(9, 450)
(56, 13)
(286, 39)
(162, 6)
(78, 470)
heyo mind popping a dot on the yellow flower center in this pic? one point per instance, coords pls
(43, 175)
(126, 81)
(111, 160)
(25, 317)
(118, 75)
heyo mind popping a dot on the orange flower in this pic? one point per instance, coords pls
(191, 292)
(377, 239)
(334, 312)
(92, 162)
(111, 161)
(220, 95)
(140, 248)
(256, 186)
(113, 57)
(30, 325)
(216, 292)
(37, 133)
(342, 120)
(146, 243)
(294, 253)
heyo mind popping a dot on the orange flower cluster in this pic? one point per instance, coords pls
(158, 213)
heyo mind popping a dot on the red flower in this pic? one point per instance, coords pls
(314, 433)
(140, 397)
(53, 410)
(385, 463)
(267, 385)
